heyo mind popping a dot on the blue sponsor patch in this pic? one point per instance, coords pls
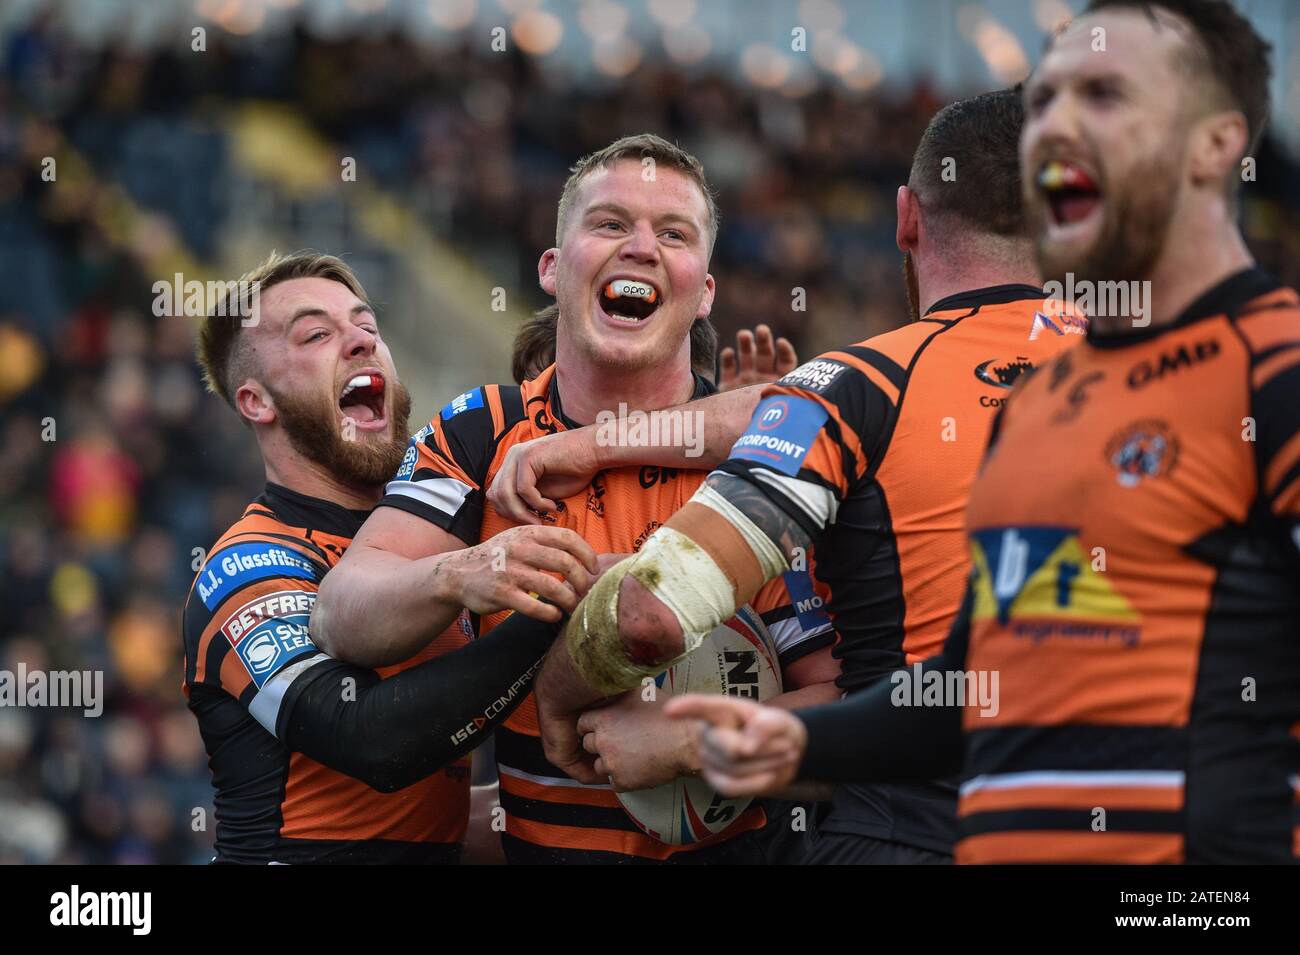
(407, 470)
(808, 604)
(466, 402)
(232, 567)
(271, 646)
(781, 433)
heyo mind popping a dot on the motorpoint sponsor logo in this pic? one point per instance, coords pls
(816, 375)
(781, 432)
(772, 443)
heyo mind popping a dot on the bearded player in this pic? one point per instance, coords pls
(870, 452)
(315, 760)
(630, 274)
(1136, 527)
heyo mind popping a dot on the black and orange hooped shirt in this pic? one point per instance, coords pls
(889, 433)
(448, 467)
(1135, 532)
(248, 652)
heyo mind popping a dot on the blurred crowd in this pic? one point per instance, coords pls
(116, 467)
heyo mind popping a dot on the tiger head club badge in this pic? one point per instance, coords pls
(1144, 449)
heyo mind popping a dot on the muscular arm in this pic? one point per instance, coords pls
(650, 631)
(393, 732)
(404, 580)
(394, 590)
(534, 474)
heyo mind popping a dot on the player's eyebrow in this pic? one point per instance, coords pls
(310, 311)
(622, 211)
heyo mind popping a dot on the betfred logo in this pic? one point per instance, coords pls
(280, 604)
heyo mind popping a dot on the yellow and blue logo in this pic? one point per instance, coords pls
(1032, 573)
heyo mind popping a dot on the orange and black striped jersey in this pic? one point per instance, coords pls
(248, 653)
(449, 465)
(1135, 534)
(873, 449)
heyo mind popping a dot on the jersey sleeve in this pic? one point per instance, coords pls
(246, 623)
(793, 608)
(816, 433)
(444, 472)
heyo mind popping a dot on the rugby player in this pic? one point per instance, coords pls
(882, 480)
(1136, 526)
(630, 276)
(316, 760)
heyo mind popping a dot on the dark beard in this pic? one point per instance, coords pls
(1133, 230)
(310, 427)
(913, 288)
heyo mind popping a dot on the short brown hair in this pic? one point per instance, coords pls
(639, 147)
(221, 349)
(534, 349)
(1228, 52)
(967, 164)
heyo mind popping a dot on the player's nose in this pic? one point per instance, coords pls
(641, 244)
(359, 343)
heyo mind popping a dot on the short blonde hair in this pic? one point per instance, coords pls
(221, 350)
(637, 148)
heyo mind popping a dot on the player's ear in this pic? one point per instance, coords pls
(1218, 143)
(907, 235)
(255, 403)
(546, 270)
(706, 301)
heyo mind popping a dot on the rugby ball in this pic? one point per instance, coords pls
(737, 658)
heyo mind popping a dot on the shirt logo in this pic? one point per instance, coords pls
(781, 433)
(1145, 449)
(235, 566)
(465, 402)
(816, 375)
(1002, 374)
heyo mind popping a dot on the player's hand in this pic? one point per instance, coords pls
(746, 749)
(562, 743)
(504, 572)
(535, 474)
(636, 745)
(755, 360)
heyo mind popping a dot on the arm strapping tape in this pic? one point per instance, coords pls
(679, 573)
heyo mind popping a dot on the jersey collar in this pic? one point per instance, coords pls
(1226, 298)
(703, 388)
(314, 513)
(992, 295)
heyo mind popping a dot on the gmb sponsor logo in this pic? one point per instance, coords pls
(1151, 370)
(816, 375)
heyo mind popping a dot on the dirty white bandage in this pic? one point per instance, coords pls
(684, 578)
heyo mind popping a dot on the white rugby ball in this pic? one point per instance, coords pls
(737, 658)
